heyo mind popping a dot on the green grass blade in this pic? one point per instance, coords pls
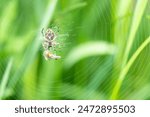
(5, 78)
(88, 49)
(127, 67)
(7, 18)
(74, 7)
(122, 21)
(137, 17)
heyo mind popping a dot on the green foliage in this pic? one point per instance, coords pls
(88, 49)
(104, 45)
(5, 79)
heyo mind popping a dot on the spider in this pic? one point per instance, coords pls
(49, 39)
(49, 43)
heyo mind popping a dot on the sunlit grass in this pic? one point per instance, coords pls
(89, 49)
(137, 16)
(127, 67)
(5, 79)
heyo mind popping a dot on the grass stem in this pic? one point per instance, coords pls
(137, 17)
(5, 78)
(127, 67)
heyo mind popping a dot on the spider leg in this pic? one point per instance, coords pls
(42, 31)
(45, 45)
(54, 48)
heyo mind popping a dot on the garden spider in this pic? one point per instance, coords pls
(49, 44)
(49, 39)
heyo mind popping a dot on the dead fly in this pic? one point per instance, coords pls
(49, 44)
(48, 55)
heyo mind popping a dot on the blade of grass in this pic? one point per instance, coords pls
(74, 7)
(33, 49)
(137, 16)
(138, 13)
(121, 19)
(8, 16)
(127, 67)
(5, 78)
(88, 49)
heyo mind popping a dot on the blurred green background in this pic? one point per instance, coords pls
(105, 53)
